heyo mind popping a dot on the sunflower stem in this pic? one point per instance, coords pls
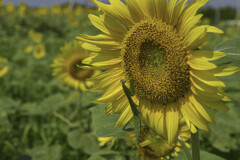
(186, 150)
(195, 146)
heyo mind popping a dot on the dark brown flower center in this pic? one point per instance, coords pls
(154, 57)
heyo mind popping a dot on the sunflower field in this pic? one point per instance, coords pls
(52, 109)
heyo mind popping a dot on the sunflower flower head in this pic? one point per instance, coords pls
(56, 9)
(39, 51)
(66, 66)
(22, 9)
(3, 67)
(156, 44)
(10, 7)
(153, 146)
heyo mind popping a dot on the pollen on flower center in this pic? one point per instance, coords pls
(154, 57)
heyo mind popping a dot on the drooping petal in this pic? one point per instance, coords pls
(207, 78)
(172, 121)
(206, 114)
(203, 55)
(201, 64)
(225, 70)
(190, 113)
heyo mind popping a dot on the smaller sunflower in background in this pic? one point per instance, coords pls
(153, 146)
(3, 67)
(39, 51)
(66, 66)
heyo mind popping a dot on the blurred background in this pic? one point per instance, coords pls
(42, 118)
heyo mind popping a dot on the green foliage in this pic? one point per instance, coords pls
(104, 125)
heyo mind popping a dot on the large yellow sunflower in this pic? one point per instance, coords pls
(156, 43)
(65, 66)
(156, 147)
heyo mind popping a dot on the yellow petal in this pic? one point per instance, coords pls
(207, 95)
(98, 23)
(196, 37)
(112, 94)
(225, 70)
(161, 9)
(116, 29)
(190, 125)
(206, 114)
(189, 11)
(101, 44)
(190, 112)
(190, 23)
(125, 116)
(171, 7)
(117, 10)
(207, 78)
(172, 121)
(102, 62)
(177, 12)
(135, 10)
(214, 104)
(212, 29)
(206, 55)
(203, 86)
(201, 64)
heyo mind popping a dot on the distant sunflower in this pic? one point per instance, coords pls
(65, 66)
(156, 43)
(3, 68)
(39, 51)
(156, 147)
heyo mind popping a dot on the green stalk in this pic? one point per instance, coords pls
(195, 146)
(185, 148)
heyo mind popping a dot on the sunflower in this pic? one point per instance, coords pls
(3, 67)
(65, 66)
(153, 146)
(156, 44)
(39, 51)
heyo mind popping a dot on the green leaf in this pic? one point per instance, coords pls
(89, 143)
(223, 132)
(104, 124)
(74, 137)
(132, 89)
(106, 152)
(232, 48)
(86, 142)
(203, 156)
(8, 105)
(88, 97)
(50, 104)
(207, 155)
(96, 157)
(45, 152)
(136, 119)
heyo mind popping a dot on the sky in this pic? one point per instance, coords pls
(213, 3)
